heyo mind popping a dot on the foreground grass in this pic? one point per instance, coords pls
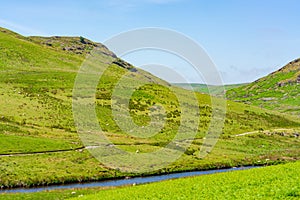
(272, 182)
(50, 195)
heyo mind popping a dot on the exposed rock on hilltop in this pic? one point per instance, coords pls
(76, 45)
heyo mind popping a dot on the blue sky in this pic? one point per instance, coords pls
(246, 39)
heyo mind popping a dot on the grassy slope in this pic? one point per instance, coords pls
(273, 182)
(277, 91)
(30, 76)
(36, 84)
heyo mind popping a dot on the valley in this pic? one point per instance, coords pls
(39, 143)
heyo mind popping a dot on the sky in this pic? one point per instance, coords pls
(246, 39)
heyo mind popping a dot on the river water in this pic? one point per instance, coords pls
(122, 182)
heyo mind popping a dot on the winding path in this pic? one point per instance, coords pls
(41, 152)
(253, 132)
(91, 147)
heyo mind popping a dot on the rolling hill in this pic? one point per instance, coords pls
(214, 90)
(36, 119)
(279, 90)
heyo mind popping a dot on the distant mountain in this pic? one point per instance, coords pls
(279, 90)
(214, 90)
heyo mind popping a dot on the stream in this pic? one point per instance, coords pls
(122, 182)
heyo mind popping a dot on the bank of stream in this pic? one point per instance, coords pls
(122, 182)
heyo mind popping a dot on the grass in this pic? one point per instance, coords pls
(80, 166)
(22, 144)
(271, 182)
(36, 87)
(51, 168)
(50, 195)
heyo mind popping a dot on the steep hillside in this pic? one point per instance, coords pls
(36, 89)
(279, 90)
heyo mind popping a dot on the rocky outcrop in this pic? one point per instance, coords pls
(124, 65)
(76, 45)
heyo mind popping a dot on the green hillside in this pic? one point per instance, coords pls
(36, 88)
(279, 90)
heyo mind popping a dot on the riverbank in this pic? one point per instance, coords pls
(270, 182)
(123, 182)
(273, 182)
